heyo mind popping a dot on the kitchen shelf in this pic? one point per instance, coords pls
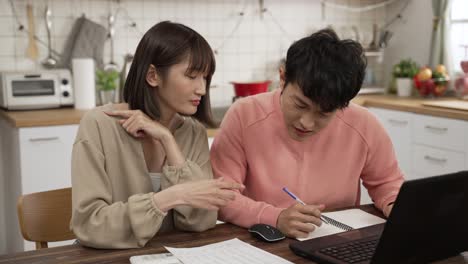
(372, 90)
(373, 53)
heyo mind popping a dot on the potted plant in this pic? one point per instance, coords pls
(106, 82)
(404, 73)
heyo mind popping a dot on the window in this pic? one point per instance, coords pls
(458, 32)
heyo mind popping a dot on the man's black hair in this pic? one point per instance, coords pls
(328, 70)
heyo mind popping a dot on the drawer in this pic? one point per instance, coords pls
(393, 120)
(439, 132)
(429, 161)
(45, 157)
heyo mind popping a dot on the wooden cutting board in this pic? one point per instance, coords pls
(32, 51)
(451, 104)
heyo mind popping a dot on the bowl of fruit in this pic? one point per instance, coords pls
(430, 82)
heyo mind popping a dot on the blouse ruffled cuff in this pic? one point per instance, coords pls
(188, 171)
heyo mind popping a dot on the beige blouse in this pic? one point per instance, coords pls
(112, 190)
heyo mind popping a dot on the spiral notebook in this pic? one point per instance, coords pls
(342, 221)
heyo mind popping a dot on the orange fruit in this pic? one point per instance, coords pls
(441, 68)
(424, 74)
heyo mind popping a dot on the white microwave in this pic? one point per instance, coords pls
(36, 90)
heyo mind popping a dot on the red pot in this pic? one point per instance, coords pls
(250, 88)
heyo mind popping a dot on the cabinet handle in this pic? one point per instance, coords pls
(43, 139)
(439, 129)
(427, 157)
(398, 122)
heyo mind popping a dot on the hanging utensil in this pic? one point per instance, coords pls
(111, 23)
(32, 51)
(384, 38)
(128, 58)
(49, 62)
(373, 46)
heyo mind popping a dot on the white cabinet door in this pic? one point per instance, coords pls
(398, 126)
(2, 192)
(430, 161)
(365, 197)
(444, 133)
(40, 161)
(33, 159)
(45, 156)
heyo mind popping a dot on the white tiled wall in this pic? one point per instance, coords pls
(251, 53)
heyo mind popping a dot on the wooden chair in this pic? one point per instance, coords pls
(45, 216)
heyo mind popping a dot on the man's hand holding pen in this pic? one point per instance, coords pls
(299, 220)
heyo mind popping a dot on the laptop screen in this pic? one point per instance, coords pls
(429, 221)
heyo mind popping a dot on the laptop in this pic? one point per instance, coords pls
(429, 221)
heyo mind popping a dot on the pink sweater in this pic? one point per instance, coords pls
(253, 147)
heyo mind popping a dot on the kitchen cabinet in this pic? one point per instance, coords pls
(440, 132)
(398, 125)
(426, 145)
(34, 159)
(2, 198)
(430, 161)
(54, 141)
(440, 145)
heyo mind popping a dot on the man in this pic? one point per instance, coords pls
(308, 138)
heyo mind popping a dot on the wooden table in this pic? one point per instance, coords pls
(80, 254)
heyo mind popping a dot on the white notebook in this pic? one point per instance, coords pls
(162, 258)
(233, 251)
(345, 220)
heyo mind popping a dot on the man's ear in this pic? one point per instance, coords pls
(152, 77)
(282, 77)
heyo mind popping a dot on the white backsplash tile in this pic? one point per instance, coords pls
(99, 8)
(150, 9)
(62, 26)
(7, 63)
(252, 52)
(7, 27)
(26, 64)
(8, 47)
(5, 10)
(62, 8)
(133, 7)
(59, 44)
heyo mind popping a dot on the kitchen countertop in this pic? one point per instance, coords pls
(51, 117)
(70, 116)
(411, 104)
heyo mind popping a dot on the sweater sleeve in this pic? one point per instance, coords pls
(229, 161)
(381, 175)
(196, 167)
(97, 221)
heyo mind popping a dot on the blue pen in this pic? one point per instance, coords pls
(300, 201)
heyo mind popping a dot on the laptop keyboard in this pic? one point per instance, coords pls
(352, 252)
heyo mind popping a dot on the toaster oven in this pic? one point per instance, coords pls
(36, 90)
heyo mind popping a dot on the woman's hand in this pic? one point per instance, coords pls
(298, 220)
(139, 125)
(205, 194)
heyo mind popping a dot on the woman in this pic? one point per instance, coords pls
(143, 167)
